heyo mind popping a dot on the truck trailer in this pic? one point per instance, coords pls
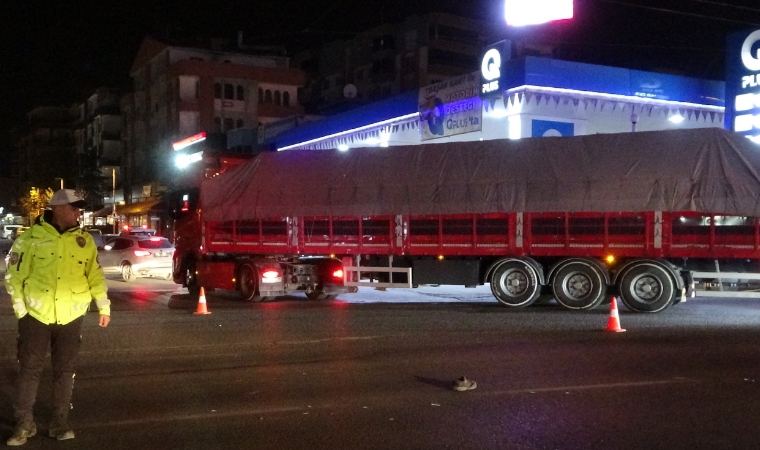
(575, 218)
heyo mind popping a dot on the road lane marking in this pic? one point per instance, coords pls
(216, 414)
(586, 387)
(185, 417)
(317, 341)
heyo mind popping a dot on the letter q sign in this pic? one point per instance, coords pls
(491, 65)
(751, 62)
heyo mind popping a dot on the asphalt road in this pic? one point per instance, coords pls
(374, 371)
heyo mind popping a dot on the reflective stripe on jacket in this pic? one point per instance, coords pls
(53, 276)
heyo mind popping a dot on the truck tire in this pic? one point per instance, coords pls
(515, 283)
(647, 288)
(191, 280)
(248, 283)
(579, 285)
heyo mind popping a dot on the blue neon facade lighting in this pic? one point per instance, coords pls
(533, 73)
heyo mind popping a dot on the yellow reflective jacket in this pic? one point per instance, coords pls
(53, 276)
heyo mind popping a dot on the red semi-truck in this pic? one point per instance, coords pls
(634, 215)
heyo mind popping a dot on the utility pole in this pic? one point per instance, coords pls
(113, 197)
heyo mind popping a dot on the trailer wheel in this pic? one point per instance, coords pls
(515, 283)
(579, 285)
(191, 280)
(647, 288)
(248, 283)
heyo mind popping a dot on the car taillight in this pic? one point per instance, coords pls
(338, 274)
(155, 239)
(141, 253)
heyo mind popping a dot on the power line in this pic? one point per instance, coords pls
(672, 11)
(728, 5)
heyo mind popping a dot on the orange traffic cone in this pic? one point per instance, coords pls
(202, 303)
(613, 323)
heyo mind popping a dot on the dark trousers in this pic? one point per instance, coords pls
(35, 338)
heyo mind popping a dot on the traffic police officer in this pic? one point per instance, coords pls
(53, 274)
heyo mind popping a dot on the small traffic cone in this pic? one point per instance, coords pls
(613, 323)
(202, 303)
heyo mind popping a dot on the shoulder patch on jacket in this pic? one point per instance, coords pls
(14, 259)
(81, 241)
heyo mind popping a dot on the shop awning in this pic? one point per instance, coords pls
(140, 207)
(104, 212)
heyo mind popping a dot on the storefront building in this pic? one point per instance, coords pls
(521, 98)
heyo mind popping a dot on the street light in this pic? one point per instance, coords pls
(113, 197)
(58, 178)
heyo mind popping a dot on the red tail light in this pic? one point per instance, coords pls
(142, 253)
(338, 274)
(271, 276)
(155, 239)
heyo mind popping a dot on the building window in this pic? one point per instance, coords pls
(277, 98)
(268, 96)
(229, 93)
(197, 89)
(383, 43)
(240, 123)
(240, 93)
(261, 95)
(228, 124)
(384, 66)
(286, 98)
(217, 90)
(218, 124)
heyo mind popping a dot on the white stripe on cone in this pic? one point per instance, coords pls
(613, 322)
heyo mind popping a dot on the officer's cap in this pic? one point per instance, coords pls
(67, 197)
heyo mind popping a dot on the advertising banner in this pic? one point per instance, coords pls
(451, 107)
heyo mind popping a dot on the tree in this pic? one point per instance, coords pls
(35, 202)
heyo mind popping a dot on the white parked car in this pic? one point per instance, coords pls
(137, 256)
(6, 231)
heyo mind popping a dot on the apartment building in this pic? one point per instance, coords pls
(183, 88)
(393, 58)
(46, 155)
(98, 143)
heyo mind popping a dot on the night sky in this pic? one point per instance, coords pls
(58, 52)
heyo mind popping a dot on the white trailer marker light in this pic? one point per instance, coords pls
(676, 118)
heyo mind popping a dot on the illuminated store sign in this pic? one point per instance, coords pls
(179, 145)
(521, 12)
(450, 107)
(491, 68)
(743, 84)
